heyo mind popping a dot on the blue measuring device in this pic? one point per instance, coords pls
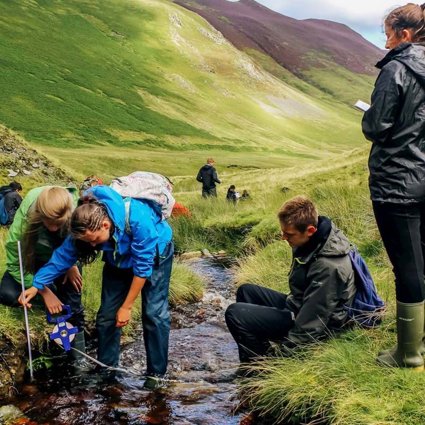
(63, 332)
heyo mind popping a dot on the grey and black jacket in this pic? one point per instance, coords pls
(321, 283)
(395, 123)
(207, 175)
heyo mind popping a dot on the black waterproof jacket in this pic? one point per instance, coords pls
(207, 175)
(395, 123)
(12, 200)
(321, 283)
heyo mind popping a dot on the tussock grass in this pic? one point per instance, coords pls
(186, 286)
(337, 382)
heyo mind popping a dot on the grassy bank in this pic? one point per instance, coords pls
(334, 382)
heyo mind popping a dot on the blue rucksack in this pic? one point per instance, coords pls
(4, 216)
(367, 308)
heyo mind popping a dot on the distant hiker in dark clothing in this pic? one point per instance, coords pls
(232, 195)
(395, 124)
(207, 175)
(321, 283)
(12, 200)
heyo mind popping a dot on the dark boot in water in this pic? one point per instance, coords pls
(410, 327)
(79, 361)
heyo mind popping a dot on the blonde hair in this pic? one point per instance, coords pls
(52, 204)
(408, 17)
(299, 212)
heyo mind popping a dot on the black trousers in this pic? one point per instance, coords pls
(402, 229)
(208, 192)
(10, 290)
(259, 315)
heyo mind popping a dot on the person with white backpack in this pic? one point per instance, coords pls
(137, 247)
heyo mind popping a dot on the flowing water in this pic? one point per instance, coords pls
(203, 359)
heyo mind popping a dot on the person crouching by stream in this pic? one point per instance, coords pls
(138, 255)
(41, 224)
(321, 282)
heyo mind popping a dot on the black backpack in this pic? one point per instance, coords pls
(4, 215)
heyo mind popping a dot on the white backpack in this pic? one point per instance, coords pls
(151, 187)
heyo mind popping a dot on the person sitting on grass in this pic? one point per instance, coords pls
(321, 282)
(232, 195)
(41, 224)
(245, 195)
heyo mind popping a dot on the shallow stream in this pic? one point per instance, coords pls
(203, 359)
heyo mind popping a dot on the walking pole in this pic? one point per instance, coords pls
(27, 326)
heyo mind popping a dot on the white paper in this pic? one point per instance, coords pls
(363, 106)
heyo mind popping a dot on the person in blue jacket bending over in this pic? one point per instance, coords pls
(138, 254)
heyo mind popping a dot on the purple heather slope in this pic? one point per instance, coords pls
(295, 44)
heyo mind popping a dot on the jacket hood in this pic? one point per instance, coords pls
(113, 202)
(206, 166)
(337, 245)
(411, 55)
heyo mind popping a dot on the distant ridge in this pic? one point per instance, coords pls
(297, 45)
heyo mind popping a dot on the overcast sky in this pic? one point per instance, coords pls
(365, 17)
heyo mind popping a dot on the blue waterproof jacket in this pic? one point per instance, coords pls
(134, 247)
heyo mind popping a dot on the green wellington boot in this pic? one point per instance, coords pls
(410, 327)
(421, 347)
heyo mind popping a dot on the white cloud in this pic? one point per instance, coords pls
(364, 16)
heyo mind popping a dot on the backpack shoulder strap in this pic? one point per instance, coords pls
(127, 215)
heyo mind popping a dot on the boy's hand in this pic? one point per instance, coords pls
(52, 302)
(73, 276)
(123, 317)
(25, 297)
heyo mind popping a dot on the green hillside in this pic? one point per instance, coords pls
(129, 83)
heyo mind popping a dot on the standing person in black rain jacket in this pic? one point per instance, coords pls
(207, 175)
(395, 123)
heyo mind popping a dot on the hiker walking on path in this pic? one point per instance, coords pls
(321, 283)
(395, 124)
(138, 254)
(10, 200)
(41, 224)
(207, 175)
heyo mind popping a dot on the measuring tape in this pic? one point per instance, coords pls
(63, 332)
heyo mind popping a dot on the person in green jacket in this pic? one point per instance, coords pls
(41, 224)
